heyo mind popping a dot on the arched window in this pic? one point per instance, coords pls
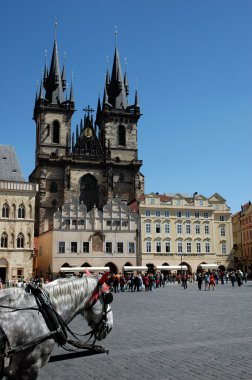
(20, 240)
(56, 131)
(89, 191)
(121, 135)
(53, 187)
(5, 210)
(4, 240)
(21, 211)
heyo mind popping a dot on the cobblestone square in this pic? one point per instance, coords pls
(169, 334)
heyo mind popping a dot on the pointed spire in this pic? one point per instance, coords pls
(125, 79)
(53, 85)
(105, 97)
(116, 91)
(81, 126)
(63, 79)
(136, 100)
(45, 70)
(77, 132)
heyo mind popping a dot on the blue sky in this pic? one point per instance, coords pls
(193, 64)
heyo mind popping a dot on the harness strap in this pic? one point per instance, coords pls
(51, 317)
(33, 343)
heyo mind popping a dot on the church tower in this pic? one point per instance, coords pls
(117, 123)
(96, 162)
(52, 115)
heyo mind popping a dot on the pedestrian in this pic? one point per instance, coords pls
(232, 278)
(206, 281)
(199, 279)
(211, 281)
(184, 280)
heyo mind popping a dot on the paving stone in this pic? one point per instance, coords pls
(170, 334)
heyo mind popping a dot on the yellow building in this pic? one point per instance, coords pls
(181, 229)
(17, 208)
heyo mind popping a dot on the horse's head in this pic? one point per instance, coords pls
(97, 309)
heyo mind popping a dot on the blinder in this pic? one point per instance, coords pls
(107, 298)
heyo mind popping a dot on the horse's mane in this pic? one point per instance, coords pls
(72, 290)
(15, 297)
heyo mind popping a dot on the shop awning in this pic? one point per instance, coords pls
(83, 269)
(209, 266)
(171, 267)
(131, 268)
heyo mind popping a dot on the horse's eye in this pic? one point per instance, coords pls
(107, 298)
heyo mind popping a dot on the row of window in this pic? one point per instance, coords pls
(109, 223)
(179, 229)
(180, 214)
(118, 247)
(8, 212)
(18, 242)
(159, 247)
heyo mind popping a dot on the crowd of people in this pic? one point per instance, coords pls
(150, 281)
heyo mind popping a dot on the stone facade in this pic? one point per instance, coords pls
(17, 207)
(94, 238)
(95, 163)
(242, 237)
(179, 229)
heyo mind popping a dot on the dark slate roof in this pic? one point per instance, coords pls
(9, 165)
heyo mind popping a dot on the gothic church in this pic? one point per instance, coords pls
(95, 163)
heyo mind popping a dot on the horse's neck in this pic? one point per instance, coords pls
(68, 298)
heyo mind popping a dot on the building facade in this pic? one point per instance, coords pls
(190, 230)
(96, 238)
(96, 162)
(17, 208)
(242, 237)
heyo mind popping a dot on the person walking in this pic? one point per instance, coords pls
(199, 280)
(206, 281)
(211, 281)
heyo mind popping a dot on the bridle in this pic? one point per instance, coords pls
(100, 293)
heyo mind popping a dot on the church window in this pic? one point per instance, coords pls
(56, 130)
(5, 210)
(21, 211)
(122, 135)
(89, 191)
(20, 240)
(4, 240)
(53, 187)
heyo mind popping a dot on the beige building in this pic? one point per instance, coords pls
(17, 207)
(181, 229)
(94, 238)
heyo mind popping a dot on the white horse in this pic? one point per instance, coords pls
(68, 297)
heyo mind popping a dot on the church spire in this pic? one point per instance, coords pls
(116, 90)
(53, 83)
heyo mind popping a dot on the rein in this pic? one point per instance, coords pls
(58, 327)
